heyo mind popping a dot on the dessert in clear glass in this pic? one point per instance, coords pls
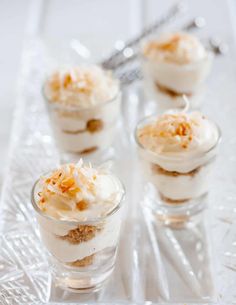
(175, 64)
(84, 106)
(177, 151)
(79, 212)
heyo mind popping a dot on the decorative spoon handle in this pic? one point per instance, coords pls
(170, 15)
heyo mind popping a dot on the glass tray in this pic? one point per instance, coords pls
(195, 263)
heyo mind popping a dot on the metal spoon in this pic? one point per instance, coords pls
(218, 46)
(197, 23)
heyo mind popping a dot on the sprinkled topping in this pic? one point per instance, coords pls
(170, 45)
(171, 127)
(176, 132)
(180, 48)
(70, 181)
(81, 86)
(81, 82)
(78, 189)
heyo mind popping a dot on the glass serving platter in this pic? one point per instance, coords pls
(190, 263)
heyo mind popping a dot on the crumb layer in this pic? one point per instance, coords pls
(161, 171)
(81, 234)
(86, 261)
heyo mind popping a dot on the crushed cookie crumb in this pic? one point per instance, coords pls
(86, 261)
(161, 171)
(173, 94)
(94, 125)
(81, 234)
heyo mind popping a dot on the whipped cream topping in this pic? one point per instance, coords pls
(78, 192)
(178, 134)
(178, 48)
(81, 86)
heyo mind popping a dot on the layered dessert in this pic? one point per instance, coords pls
(175, 64)
(79, 214)
(84, 105)
(177, 152)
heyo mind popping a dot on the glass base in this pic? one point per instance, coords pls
(78, 283)
(96, 157)
(177, 215)
(88, 276)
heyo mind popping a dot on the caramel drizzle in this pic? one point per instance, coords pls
(82, 234)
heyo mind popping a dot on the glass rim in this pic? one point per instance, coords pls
(173, 157)
(78, 222)
(209, 56)
(57, 105)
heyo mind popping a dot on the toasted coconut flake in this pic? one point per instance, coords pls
(175, 130)
(76, 183)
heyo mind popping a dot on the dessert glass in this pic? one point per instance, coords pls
(83, 131)
(183, 184)
(166, 82)
(166, 99)
(81, 253)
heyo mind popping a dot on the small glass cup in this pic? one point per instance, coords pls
(84, 131)
(182, 183)
(166, 82)
(81, 254)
